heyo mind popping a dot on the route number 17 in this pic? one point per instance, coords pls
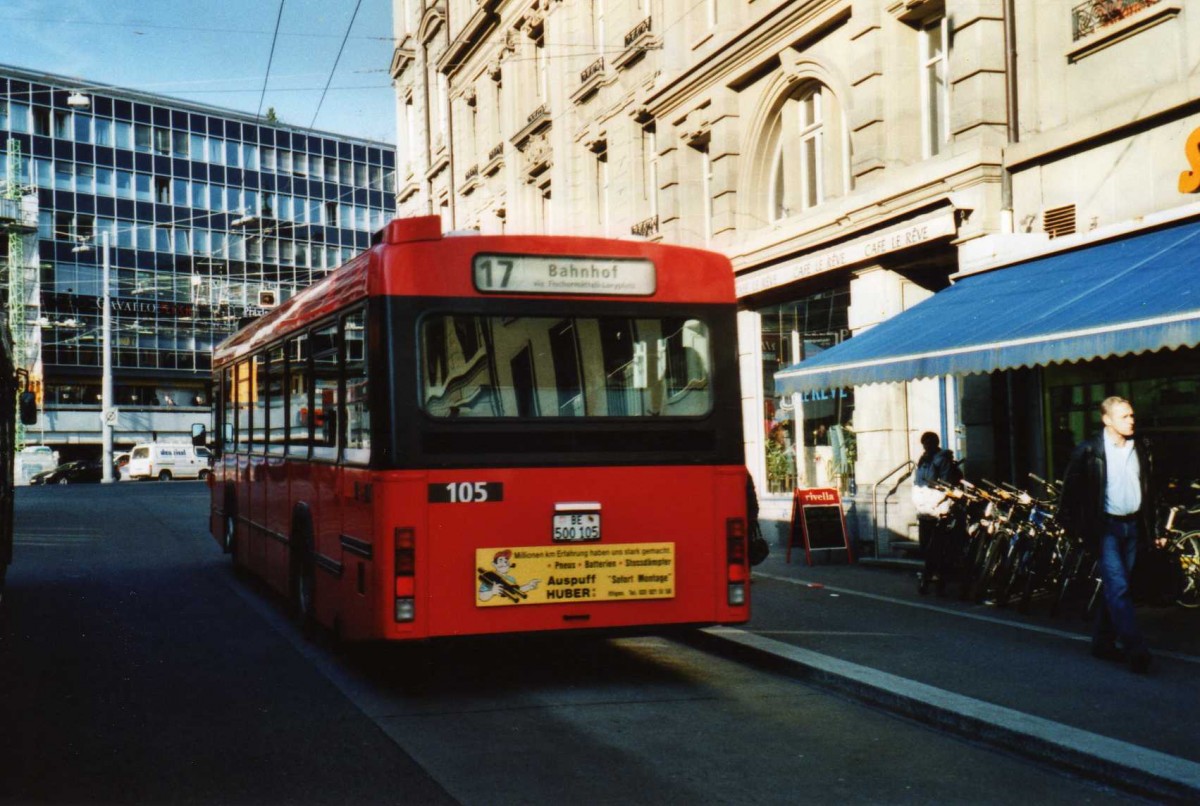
(487, 278)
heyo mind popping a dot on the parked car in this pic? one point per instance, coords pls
(121, 466)
(78, 472)
(34, 459)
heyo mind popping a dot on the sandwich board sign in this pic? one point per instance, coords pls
(819, 525)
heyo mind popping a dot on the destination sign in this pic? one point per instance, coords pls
(539, 274)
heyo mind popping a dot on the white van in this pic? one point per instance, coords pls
(165, 461)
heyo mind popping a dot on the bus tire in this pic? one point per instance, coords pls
(303, 577)
(164, 475)
(229, 543)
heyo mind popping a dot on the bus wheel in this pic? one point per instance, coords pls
(230, 533)
(304, 582)
(164, 475)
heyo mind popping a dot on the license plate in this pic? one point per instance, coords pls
(576, 527)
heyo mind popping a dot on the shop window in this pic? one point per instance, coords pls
(808, 440)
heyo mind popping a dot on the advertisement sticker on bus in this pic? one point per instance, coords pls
(553, 574)
(538, 274)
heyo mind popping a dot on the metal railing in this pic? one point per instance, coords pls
(1089, 17)
(637, 30)
(537, 114)
(908, 468)
(646, 227)
(595, 68)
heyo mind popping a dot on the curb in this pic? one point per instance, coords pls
(890, 562)
(1130, 767)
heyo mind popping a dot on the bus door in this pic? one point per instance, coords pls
(255, 499)
(238, 463)
(271, 500)
(356, 549)
(325, 470)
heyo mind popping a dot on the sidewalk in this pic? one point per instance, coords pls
(1024, 682)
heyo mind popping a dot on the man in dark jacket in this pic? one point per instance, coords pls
(1108, 502)
(936, 534)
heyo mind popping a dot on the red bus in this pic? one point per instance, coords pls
(467, 435)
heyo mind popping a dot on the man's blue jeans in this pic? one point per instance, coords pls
(1115, 618)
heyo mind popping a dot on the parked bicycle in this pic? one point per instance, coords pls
(1015, 548)
(1184, 545)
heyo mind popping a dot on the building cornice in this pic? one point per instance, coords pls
(744, 54)
(126, 94)
(473, 37)
(921, 187)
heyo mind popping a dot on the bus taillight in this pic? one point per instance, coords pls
(735, 541)
(406, 563)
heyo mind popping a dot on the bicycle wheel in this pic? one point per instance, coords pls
(1042, 569)
(994, 564)
(1190, 560)
(1075, 558)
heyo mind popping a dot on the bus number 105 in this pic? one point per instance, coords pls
(466, 492)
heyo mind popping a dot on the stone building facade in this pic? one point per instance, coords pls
(851, 158)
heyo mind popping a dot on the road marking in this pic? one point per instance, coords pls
(1021, 732)
(834, 632)
(1070, 636)
(54, 539)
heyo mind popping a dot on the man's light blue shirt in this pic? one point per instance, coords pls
(1123, 491)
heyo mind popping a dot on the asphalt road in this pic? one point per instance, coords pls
(136, 667)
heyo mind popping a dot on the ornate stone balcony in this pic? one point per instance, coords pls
(495, 160)
(590, 80)
(1089, 17)
(646, 228)
(640, 39)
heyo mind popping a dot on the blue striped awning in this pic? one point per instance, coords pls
(1132, 295)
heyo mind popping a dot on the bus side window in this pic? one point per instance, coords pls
(299, 404)
(228, 410)
(325, 392)
(275, 413)
(354, 364)
(258, 416)
(242, 424)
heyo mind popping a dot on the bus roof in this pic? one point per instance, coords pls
(411, 257)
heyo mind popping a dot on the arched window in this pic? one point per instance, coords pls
(805, 153)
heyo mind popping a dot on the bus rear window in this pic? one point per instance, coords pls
(550, 367)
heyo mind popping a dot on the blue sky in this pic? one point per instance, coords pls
(216, 52)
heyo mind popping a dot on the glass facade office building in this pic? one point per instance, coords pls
(212, 216)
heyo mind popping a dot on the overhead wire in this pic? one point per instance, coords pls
(335, 63)
(270, 58)
(194, 29)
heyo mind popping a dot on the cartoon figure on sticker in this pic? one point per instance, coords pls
(501, 582)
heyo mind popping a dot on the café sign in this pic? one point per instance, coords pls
(859, 250)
